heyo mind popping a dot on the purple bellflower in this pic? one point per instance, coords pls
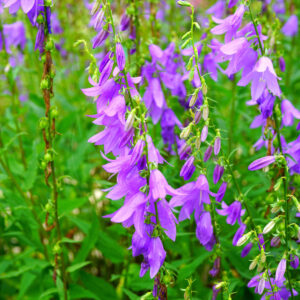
(233, 212)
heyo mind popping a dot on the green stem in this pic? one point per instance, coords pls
(47, 94)
(285, 195)
(256, 30)
(232, 116)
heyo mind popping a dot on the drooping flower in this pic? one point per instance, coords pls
(159, 186)
(290, 28)
(207, 153)
(294, 261)
(191, 197)
(239, 233)
(261, 163)
(217, 145)
(188, 168)
(216, 267)
(218, 172)
(230, 24)
(262, 76)
(279, 276)
(14, 5)
(204, 231)
(155, 257)
(289, 112)
(233, 212)
(120, 56)
(246, 250)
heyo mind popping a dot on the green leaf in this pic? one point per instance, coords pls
(131, 295)
(69, 241)
(15, 273)
(98, 286)
(31, 173)
(78, 266)
(89, 241)
(26, 281)
(106, 244)
(78, 292)
(190, 268)
(67, 205)
(47, 293)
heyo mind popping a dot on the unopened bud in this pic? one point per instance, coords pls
(44, 84)
(269, 227)
(198, 143)
(184, 3)
(204, 89)
(185, 132)
(48, 157)
(260, 267)
(243, 239)
(194, 98)
(263, 256)
(130, 121)
(197, 116)
(205, 112)
(95, 7)
(296, 203)
(253, 265)
(219, 285)
(275, 209)
(191, 75)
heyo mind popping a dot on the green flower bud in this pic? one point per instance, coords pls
(40, 19)
(48, 157)
(49, 45)
(44, 84)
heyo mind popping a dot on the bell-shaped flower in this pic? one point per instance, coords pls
(290, 28)
(188, 168)
(159, 186)
(233, 212)
(289, 112)
(263, 75)
(204, 231)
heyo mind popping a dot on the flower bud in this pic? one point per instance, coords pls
(269, 227)
(192, 73)
(185, 132)
(184, 3)
(130, 120)
(197, 116)
(198, 142)
(56, 249)
(49, 45)
(40, 19)
(260, 267)
(44, 84)
(95, 7)
(43, 123)
(217, 145)
(204, 89)
(275, 241)
(262, 256)
(205, 112)
(261, 285)
(48, 157)
(253, 264)
(204, 133)
(219, 285)
(194, 98)
(244, 239)
(47, 3)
